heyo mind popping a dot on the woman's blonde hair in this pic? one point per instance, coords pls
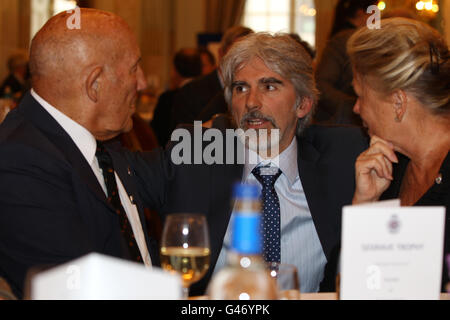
(404, 54)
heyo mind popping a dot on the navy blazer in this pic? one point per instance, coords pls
(52, 207)
(326, 159)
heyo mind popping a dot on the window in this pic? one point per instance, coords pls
(267, 15)
(42, 10)
(294, 16)
(63, 5)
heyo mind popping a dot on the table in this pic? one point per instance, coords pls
(322, 296)
(333, 296)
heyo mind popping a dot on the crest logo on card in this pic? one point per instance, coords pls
(394, 224)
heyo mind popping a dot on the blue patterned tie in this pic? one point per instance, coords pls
(267, 176)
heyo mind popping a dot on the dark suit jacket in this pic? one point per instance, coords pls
(193, 98)
(52, 208)
(161, 119)
(326, 158)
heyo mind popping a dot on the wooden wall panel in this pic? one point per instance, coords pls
(14, 30)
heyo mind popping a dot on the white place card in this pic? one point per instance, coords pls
(99, 277)
(392, 253)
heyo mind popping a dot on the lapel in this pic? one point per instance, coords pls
(64, 147)
(310, 172)
(223, 178)
(307, 158)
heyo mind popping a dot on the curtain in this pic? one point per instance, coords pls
(324, 20)
(14, 30)
(445, 7)
(221, 15)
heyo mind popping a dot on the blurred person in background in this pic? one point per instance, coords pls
(187, 65)
(192, 99)
(17, 82)
(333, 73)
(15, 85)
(208, 61)
(402, 80)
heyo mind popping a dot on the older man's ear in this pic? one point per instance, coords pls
(93, 84)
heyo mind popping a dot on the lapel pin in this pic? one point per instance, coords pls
(439, 179)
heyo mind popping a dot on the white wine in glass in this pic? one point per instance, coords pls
(185, 248)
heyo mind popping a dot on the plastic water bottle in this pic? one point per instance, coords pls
(246, 276)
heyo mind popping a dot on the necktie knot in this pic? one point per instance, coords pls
(103, 157)
(267, 176)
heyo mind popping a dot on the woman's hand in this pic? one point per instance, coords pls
(374, 170)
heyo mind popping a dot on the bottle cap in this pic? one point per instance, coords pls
(246, 191)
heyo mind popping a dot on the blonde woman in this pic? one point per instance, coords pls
(402, 79)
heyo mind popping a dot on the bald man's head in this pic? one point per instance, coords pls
(91, 74)
(59, 53)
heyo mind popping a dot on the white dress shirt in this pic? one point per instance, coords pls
(300, 244)
(87, 145)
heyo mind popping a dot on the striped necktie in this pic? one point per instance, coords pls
(105, 163)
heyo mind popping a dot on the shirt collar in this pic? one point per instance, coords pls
(286, 161)
(82, 138)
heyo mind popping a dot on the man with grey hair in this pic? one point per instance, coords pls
(269, 85)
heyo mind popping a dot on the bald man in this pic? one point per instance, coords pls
(63, 193)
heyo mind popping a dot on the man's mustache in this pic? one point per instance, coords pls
(257, 115)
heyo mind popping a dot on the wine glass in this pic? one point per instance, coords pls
(287, 280)
(185, 247)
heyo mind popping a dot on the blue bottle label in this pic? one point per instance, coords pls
(246, 235)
